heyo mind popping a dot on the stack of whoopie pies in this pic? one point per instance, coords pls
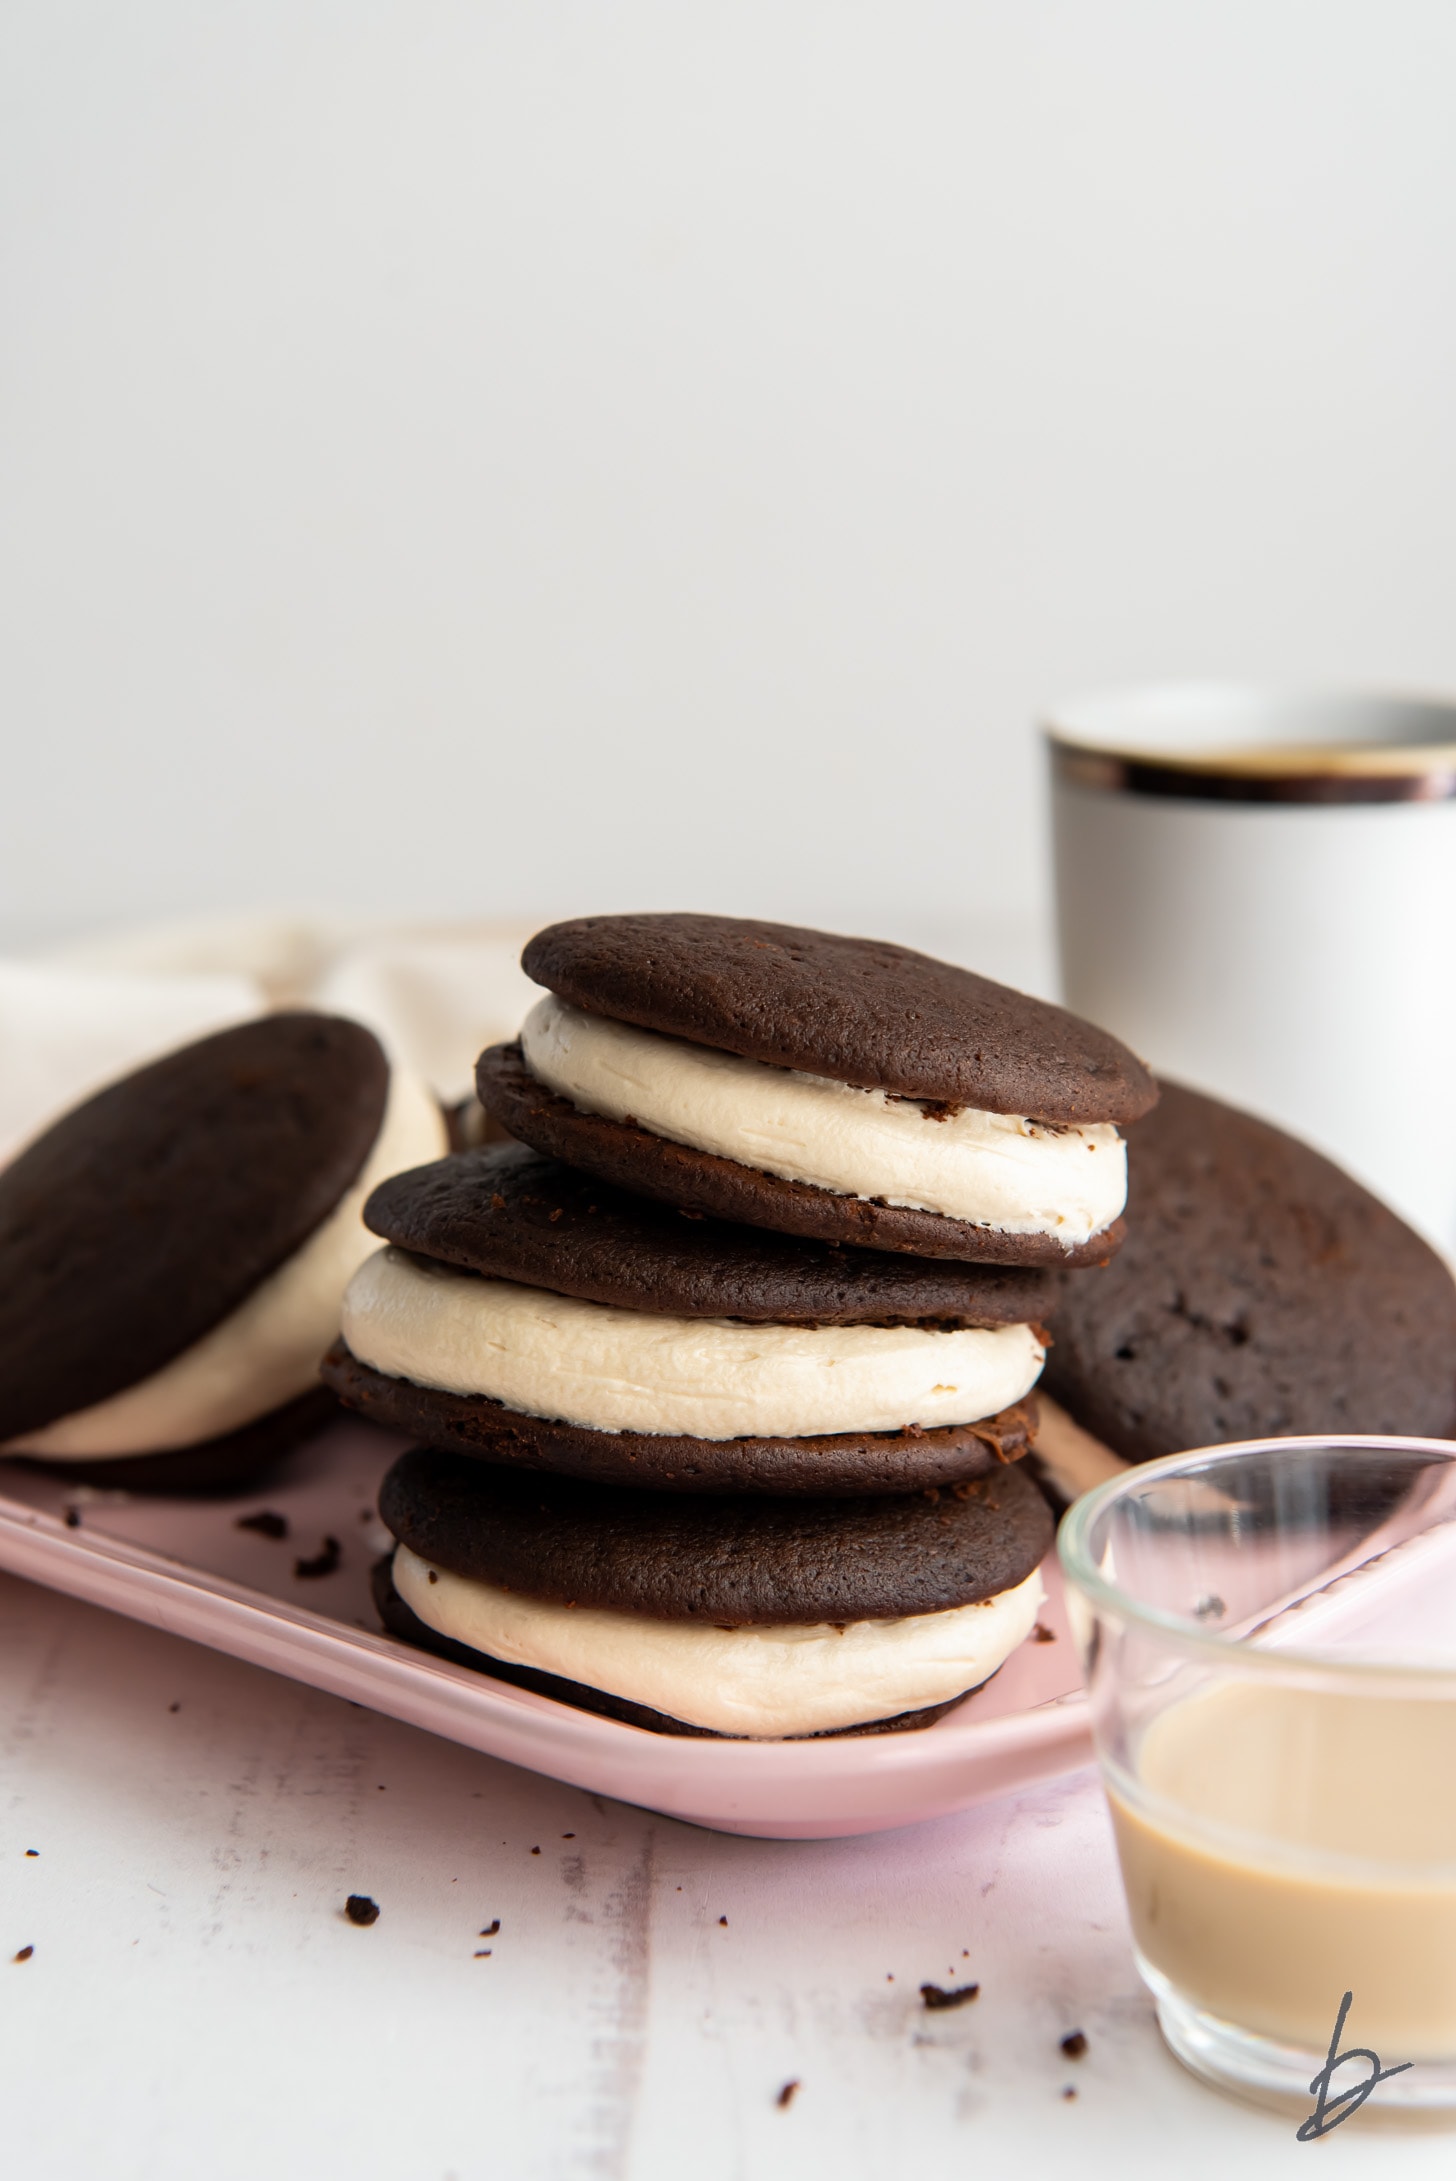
(174, 1252)
(722, 1367)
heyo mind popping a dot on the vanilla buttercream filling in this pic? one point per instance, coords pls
(267, 1351)
(759, 1681)
(996, 1170)
(711, 1378)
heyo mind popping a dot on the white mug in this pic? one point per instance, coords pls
(1256, 890)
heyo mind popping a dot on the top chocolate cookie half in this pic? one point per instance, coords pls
(510, 1214)
(1262, 1292)
(859, 1011)
(146, 1215)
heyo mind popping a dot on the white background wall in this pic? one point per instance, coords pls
(489, 458)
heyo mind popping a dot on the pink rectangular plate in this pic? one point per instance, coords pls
(185, 1566)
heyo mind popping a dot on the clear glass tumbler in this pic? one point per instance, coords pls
(1268, 1633)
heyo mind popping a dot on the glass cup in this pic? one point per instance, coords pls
(1268, 1634)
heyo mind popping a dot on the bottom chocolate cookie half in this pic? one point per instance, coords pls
(225, 1464)
(844, 1464)
(401, 1622)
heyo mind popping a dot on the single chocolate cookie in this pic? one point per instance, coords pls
(842, 1463)
(401, 1622)
(631, 1158)
(511, 1214)
(731, 1562)
(1261, 1293)
(144, 1217)
(858, 1010)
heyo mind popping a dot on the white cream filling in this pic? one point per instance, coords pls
(267, 1351)
(996, 1170)
(761, 1681)
(712, 1378)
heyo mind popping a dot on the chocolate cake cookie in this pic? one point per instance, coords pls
(741, 1616)
(537, 1318)
(173, 1251)
(1262, 1292)
(837, 1088)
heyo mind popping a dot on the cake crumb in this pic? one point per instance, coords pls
(323, 1562)
(724, 1921)
(491, 1928)
(174, 1707)
(1069, 2090)
(785, 2097)
(24, 1954)
(1042, 1634)
(267, 1522)
(32, 1851)
(361, 1910)
(936, 1997)
(535, 1851)
(73, 1519)
(1074, 2044)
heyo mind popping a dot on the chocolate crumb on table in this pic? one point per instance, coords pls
(323, 1562)
(361, 1910)
(32, 1851)
(785, 2097)
(936, 1996)
(24, 1954)
(266, 1522)
(1074, 2045)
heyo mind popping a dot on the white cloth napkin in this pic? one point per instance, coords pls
(79, 1016)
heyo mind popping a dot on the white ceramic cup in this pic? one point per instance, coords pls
(1256, 890)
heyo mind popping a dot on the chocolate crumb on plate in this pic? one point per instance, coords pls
(491, 1928)
(267, 1522)
(361, 1910)
(1069, 2091)
(785, 2097)
(32, 1851)
(1042, 1634)
(1074, 2045)
(723, 1920)
(24, 1954)
(936, 1996)
(73, 1518)
(323, 1562)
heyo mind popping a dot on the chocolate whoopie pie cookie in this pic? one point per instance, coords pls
(735, 1616)
(537, 1317)
(839, 1088)
(1262, 1292)
(173, 1251)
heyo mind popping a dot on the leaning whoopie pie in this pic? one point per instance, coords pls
(534, 1316)
(1261, 1293)
(839, 1088)
(173, 1251)
(755, 1617)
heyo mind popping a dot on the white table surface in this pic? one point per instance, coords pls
(197, 2008)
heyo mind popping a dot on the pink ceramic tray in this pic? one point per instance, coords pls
(185, 1566)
